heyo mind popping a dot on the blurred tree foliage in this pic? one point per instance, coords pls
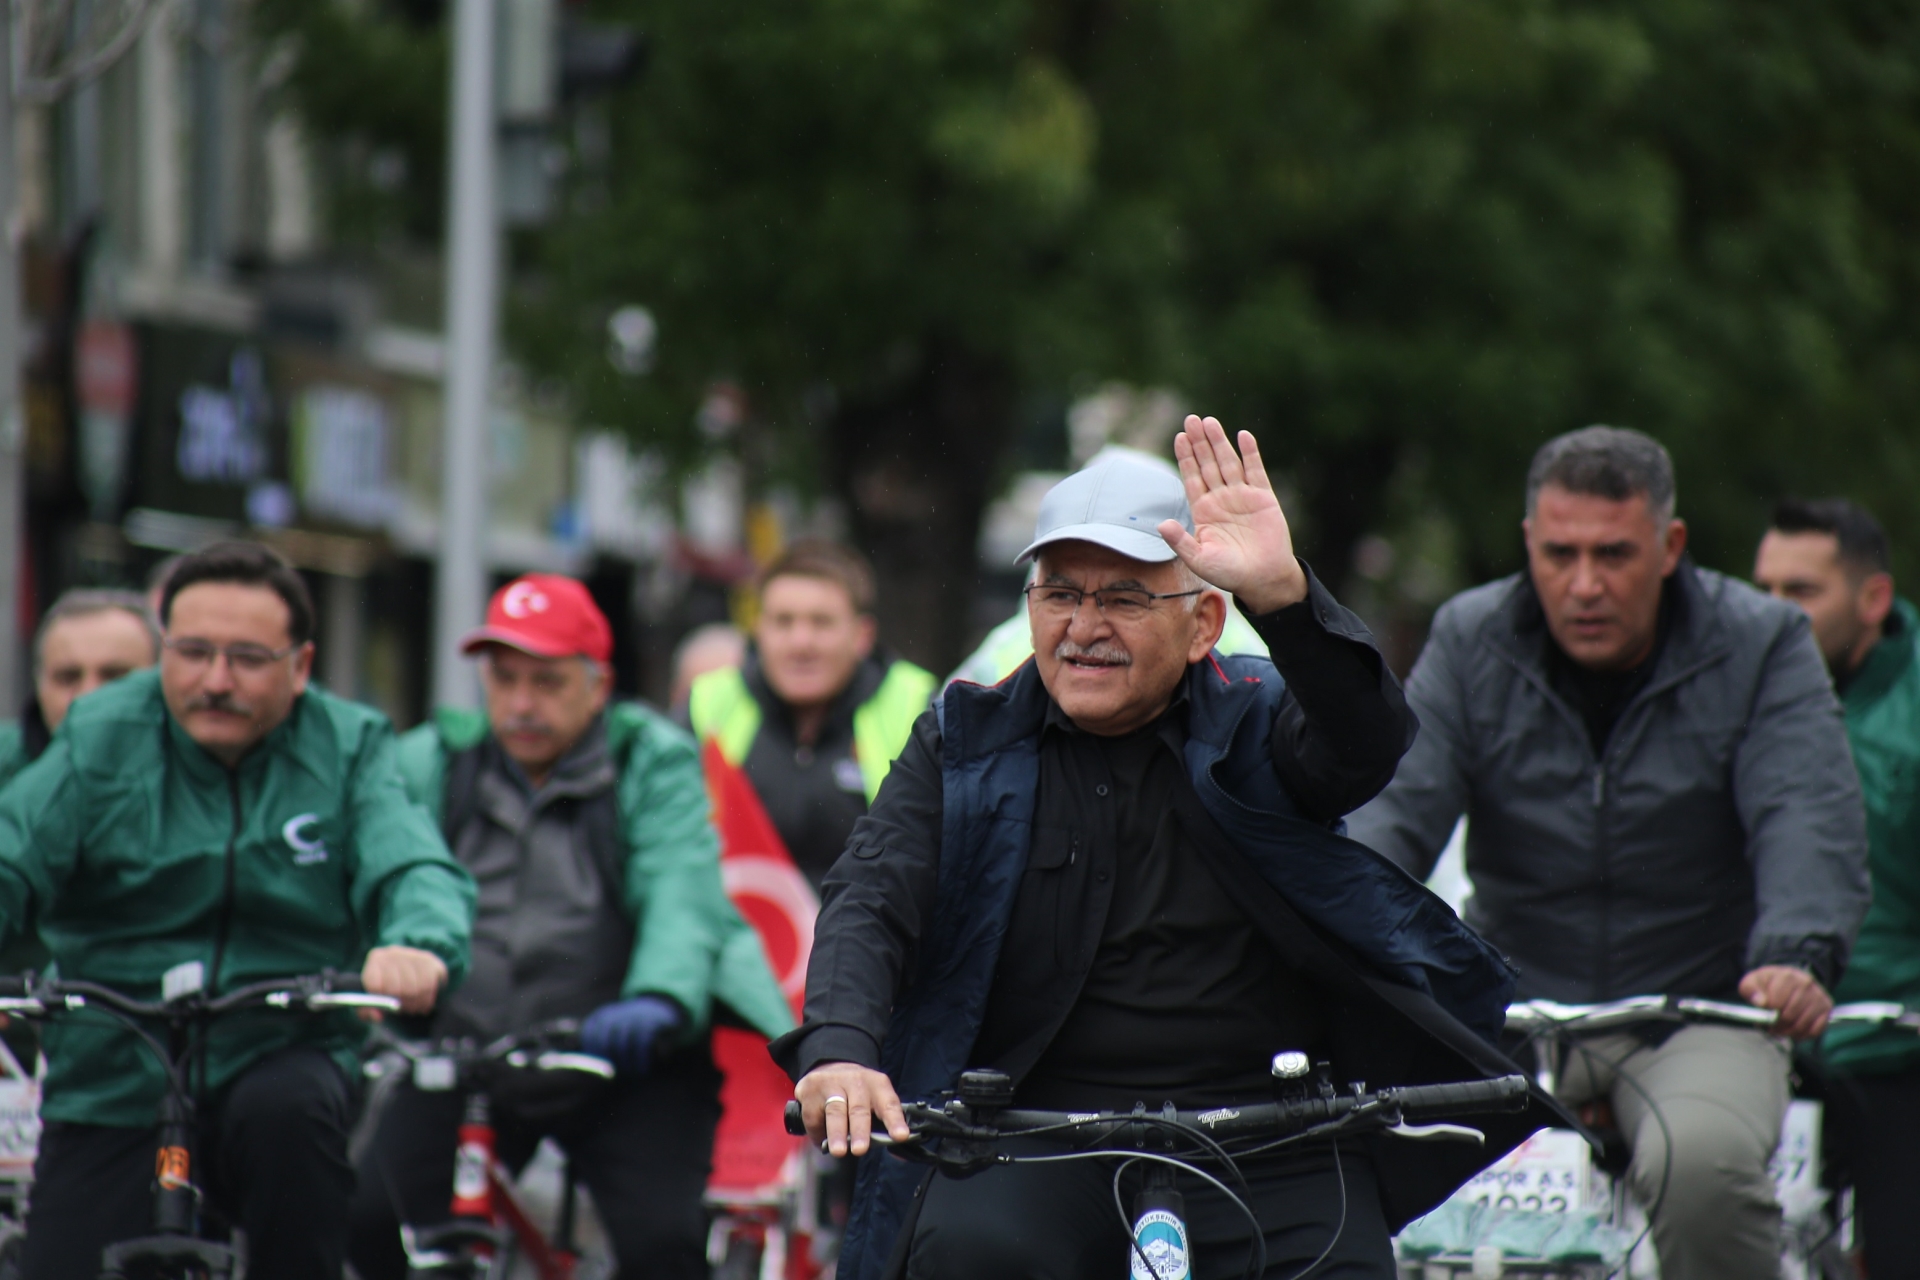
(1384, 234)
(371, 81)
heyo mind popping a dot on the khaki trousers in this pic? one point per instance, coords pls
(1701, 1115)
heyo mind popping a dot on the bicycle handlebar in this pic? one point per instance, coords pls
(31, 996)
(440, 1064)
(1542, 1015)
(1387, 1108)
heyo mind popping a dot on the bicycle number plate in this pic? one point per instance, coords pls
(1796, 1161)
(19, 1127)
(1551, 1172)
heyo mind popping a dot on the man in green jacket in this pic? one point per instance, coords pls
(220, 812)
(1830, 558)
(600, 899)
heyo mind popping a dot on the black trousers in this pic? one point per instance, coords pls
(1877, 1120)
(271, 1155)
(642, 1149)
(1058, 1222)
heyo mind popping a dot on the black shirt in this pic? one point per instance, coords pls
(1341, 729)
(1184, 999)
(1599, 697)
(813, 792)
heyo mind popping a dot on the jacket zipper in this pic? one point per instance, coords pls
(225, 924)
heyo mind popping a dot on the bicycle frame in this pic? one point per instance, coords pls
(489, 1221)
(1551, 1026)
(175, 1247)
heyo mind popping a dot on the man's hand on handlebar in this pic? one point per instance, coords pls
(839, 1100)
(1796, 995)
(410, 975)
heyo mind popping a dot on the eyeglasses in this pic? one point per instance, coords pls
(248, 658)
(1119, 604)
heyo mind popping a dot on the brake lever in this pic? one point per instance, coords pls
(323, 1000)
(1439, 1133)
(881, 1138)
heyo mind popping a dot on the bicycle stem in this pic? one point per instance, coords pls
(175, 1207)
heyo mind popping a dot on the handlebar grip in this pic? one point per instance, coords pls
(16, 984)
(343, 983)
(795, 1125)
(1508, 1093)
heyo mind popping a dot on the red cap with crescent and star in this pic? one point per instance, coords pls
(547, 616)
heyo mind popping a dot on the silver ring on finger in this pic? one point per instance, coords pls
(835, 1098)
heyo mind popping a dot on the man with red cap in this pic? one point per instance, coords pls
(585, 825)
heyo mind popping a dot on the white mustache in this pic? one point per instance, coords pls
(1101, 651)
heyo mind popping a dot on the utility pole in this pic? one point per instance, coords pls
(473, 289)
(13, 424)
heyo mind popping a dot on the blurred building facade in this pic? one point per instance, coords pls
(199, 365)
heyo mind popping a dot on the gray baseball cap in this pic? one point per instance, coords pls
(1116, 501)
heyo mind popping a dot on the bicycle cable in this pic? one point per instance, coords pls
(1257, 1254)
(1205, 1140)
(1666, 1141)
(1130, 1157)
(1340, 1227)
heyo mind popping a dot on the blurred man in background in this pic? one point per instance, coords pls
(586, 828)
(817, 712)
(710, 648)
(157, 582)
(1830, 558)
(1659, 801)
(87, 639)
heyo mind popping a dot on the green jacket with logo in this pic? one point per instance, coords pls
(136, 851)
(1882, 704)
(690, 942)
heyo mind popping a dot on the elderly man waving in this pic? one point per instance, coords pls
(1116, 876)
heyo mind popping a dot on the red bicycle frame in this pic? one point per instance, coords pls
(483, 1189)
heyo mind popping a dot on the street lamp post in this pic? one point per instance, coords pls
(12, 419)
(473, 288)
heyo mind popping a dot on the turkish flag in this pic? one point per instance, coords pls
(751, 1148)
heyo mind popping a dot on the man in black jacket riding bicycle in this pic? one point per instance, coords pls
(1116, 877)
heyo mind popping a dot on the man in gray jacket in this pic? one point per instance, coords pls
(1659, 799)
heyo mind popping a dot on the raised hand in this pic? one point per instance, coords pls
(1240, 541)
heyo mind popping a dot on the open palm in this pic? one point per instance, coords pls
(1240, 540)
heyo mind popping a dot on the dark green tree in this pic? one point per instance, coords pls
(857, 212)
(1403, 240)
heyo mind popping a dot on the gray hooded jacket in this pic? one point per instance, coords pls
(1722, 829)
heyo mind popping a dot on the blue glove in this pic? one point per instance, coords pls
(626, 1031)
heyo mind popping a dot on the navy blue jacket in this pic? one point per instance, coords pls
(1415, 995)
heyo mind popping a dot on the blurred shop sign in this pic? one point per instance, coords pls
(207, 441)
(618, 497)
(223, 429)
(340, 450)
(106, 381)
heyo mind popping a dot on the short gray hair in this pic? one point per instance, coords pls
(84, 602)
(1615, 463)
